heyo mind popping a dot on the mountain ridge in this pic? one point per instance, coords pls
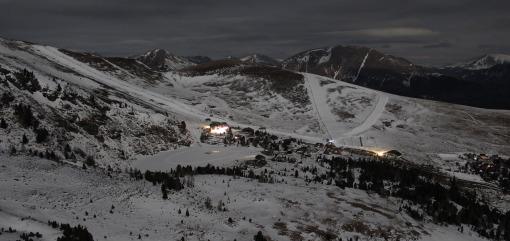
(373, 69)
(260, 59)
(485, 61)
(162, 60)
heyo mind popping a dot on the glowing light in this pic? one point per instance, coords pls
(219, 130)
(380, 153)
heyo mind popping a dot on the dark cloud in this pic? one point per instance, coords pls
(438, 45)
(427, 32)
(390, 32)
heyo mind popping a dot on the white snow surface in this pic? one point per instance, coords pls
(125, 208)
(197, 155)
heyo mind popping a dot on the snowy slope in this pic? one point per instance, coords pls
(121, 208)
(331, 109)
(334, 110)
(345, 113)
(305, 106)
(96, 113)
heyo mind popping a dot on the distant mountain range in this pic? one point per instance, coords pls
(483, 82)
(483, 62)
(480, 82)
(260, 59)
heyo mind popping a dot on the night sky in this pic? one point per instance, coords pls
(433, 32)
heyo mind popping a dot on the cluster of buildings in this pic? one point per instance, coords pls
(330, 148)
(483, 163)
(222, 133)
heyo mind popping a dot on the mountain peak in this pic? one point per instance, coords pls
(345, 62)
(483, 62)
(155, 54)
(162, 60)
(259, 59)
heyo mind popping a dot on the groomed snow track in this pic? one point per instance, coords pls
(327, 119)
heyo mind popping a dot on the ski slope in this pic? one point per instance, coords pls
(334, 129)
(371, 119)
(323, 114)
(110, 81)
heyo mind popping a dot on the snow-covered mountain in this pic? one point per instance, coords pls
(77, 107)
(358, 65)
(260, 59)
(483, 62)
(162, 60)
(370, 68)
(349, 63)
(230, 90)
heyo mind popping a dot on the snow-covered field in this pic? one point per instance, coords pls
(118, 208)
(197, 155)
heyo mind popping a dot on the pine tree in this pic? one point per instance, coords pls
(182, 127)
(3, 124)
(24, 139)
(41, 135)
(203, 137)
(164, 191)
(208, 203)
(74, 233)
(67, 148)
(220, 205)
(90, 161)
(259, 237)
(27, 80)
(187, 213)
(25, 116)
